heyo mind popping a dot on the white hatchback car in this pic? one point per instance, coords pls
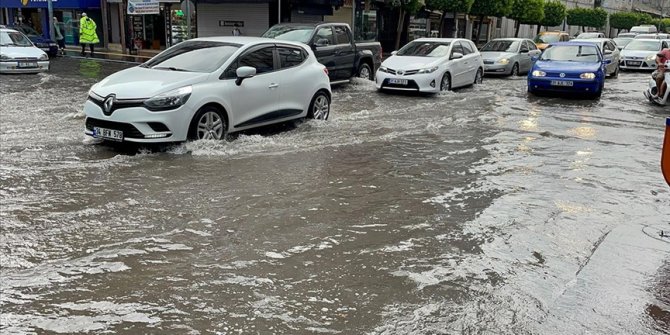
(19, 55)
(207, 87)
(431, 65)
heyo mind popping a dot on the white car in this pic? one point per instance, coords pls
(431, 65)
(206, 87)
(19, 55)
(610, 51)
(641, 54)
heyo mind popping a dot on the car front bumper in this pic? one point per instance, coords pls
(13, 67)
(140, 125)
(637, 64)
(425, 82)
(498, 68)
(543, 84)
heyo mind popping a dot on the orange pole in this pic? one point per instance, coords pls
(665, 154)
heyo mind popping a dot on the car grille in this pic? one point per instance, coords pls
(401, 72)
(489, 62)
(118, 104)
(128, 129)
(32, 59)
(411, 85)
(566, 75)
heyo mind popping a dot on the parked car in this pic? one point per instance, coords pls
(583, 36)
(610, 52)
(19, 55)
(569, 67)
(431, 65)
(206, 87)
(627, 35)
(543, 39)
(641, 54)
(334, 46)
(47, 45)
(652, 36)
(621, 42)
(510, 56)
(644, 29)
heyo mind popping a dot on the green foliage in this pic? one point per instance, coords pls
(527, 11)
(450, 6)
(554, 14)
(412, 6)
(624, 20)
(587, 17)
(644, 18)
(497, 8)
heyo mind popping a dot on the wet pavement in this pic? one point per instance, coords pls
(481, 211)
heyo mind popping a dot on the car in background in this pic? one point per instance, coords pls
(621, 42)
(644, 29)
(583, 36)
(431, 65)
(661, 36)
(627, 35)
(641, 54)
(508, 56)
(334, 46)
(569, 67)
(204, 88)
(610, 52)
(19, 55)
(47, 45)
(543, 39)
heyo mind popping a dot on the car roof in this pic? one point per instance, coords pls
(601, 39)
(573, 42)
(245, 40)
(553, 33)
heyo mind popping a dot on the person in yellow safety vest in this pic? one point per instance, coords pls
(87, 33)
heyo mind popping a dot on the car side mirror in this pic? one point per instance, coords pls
(608, 52)
(244, 72)
(524, 51)
(393, 53)
(456, 55)
(322, 42)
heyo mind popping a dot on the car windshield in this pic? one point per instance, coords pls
(193, 56)
(640, 45)
(425, 49)
(588, 35)
(27, 30)
(501, 45)
(622, 41)
(571, 53)
(646, 36)
(547, 38)
(290, 33)
(14, 38)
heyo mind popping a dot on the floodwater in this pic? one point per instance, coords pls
(481, 211)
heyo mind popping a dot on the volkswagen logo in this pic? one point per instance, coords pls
(400, 73)
(109, 103)
(562, 75)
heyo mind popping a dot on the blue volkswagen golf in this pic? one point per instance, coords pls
(569, 67)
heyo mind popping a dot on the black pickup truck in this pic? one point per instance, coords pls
(334, 47)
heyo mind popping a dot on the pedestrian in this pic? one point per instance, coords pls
(87, 34)
(59, 36)
(236, 30)
(662, 58)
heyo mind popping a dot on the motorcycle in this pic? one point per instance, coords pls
(652, 90)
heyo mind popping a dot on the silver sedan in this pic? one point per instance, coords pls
(508, 56)
(609, 49)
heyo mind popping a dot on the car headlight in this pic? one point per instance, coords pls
(651, 57)
(503, 61)
(588, 75)
(537, 73)
(169, 100)
(383, 69)
(44, 57)
(428, 70)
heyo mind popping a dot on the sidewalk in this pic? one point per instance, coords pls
(105, 55)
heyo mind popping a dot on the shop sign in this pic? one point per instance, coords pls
(231, 23)
(143, 7)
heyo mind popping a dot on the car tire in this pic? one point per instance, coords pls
(365, 72)
(479, 77)
(445, 82)
(616, 73)
(515, 70)
(319, 107)
(209, 123)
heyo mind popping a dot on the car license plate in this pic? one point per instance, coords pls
(27, 64)
(634, 63)
(561, 83)
(109, 134)
(398, 81)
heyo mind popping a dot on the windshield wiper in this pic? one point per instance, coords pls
(171, 68)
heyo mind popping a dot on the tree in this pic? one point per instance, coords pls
(587, 17)
(404, 7)
(526, 12)
(449, 6)
(554, 14)
(624, 20)
(497, 8)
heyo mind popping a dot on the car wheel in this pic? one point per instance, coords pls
(515, 70)
(319, 108)
(209, 123)
(445, 83)
(365, 72)
(616, 72)
(479, 77)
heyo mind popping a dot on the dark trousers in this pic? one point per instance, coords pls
(83, 49)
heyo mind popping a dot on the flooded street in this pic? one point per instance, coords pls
(480, 211)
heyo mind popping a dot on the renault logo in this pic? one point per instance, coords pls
(109, 102)
(562, 75)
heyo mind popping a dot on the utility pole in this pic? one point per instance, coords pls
(50, 19)
(188, 19)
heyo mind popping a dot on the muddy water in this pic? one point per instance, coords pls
(481, 211)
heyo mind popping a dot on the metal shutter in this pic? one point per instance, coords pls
(255, 17)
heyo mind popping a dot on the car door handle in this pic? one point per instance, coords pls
(273, 85)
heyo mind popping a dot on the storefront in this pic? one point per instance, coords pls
(34, 13)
